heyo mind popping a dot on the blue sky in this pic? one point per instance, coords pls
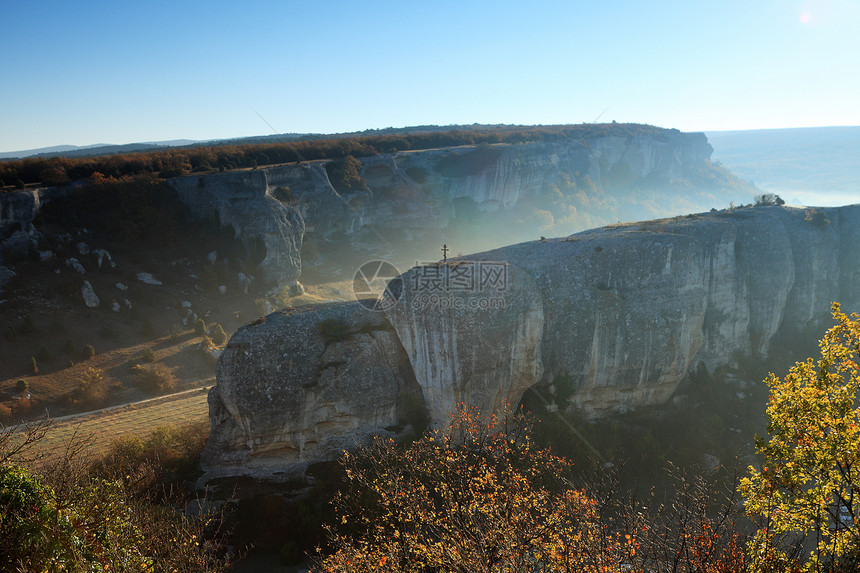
(117, 72)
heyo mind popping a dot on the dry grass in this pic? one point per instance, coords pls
(99, 429)
(50, 389)
(325, 292)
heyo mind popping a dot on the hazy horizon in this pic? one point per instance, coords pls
(183, 141)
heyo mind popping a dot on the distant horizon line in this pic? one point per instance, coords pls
(186, 141)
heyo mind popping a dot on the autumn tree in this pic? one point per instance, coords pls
(345, 175)
(59, 513)
(809, 484)
(478, 495)
(693, 529)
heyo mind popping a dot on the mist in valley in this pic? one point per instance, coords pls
(805, 166)
(430, 287)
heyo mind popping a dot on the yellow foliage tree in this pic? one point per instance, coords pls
(809, 484)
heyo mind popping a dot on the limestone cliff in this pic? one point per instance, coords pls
(244, 201)
(464, 194)
(300, 386)
(620, 314)
(18, 208)
(631, 309)
(292, 217)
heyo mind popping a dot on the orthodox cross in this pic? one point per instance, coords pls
(445, 250)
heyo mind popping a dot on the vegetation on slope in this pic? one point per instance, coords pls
(118, 513)
(178, 161)
(140, 339)
(809, 484)
(483, 493)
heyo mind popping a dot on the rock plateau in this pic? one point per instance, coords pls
(620, 314)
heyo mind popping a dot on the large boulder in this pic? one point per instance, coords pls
(301, 386)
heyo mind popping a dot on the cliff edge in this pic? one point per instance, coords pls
(619, 315)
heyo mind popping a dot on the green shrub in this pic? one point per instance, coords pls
(200, 327)
(34, 368)
(91, 390)
(345, 175)
(22, 385)
(147, 355)
(87, 523)
(817, 218)
(171, 452)
(89, 351)
(24, 500)
(284, 195)
(154, 379)
(766, 199)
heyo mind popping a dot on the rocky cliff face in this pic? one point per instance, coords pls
(300, 386)
(631, 309)
(464, 194)
(246, 201)
(17, 208)
(17, 234)
(292, 217)
(619, 315)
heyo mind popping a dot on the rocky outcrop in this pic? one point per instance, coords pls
(89, 295)
(459, 337)
(300, 386)
(243, 200)
(631, 309)
(421, 198)
(619, 315)
(18, 208)
(17, 233)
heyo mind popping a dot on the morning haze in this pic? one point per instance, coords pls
(429, 287)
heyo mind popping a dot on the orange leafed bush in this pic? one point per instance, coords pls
(475, 496)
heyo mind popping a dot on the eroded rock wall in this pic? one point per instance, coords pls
(418, 198)
(301, 386)
(469, 342)
(620, 315)
(631, 309)
(244, 201)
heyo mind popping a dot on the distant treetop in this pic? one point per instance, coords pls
(172, 162)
